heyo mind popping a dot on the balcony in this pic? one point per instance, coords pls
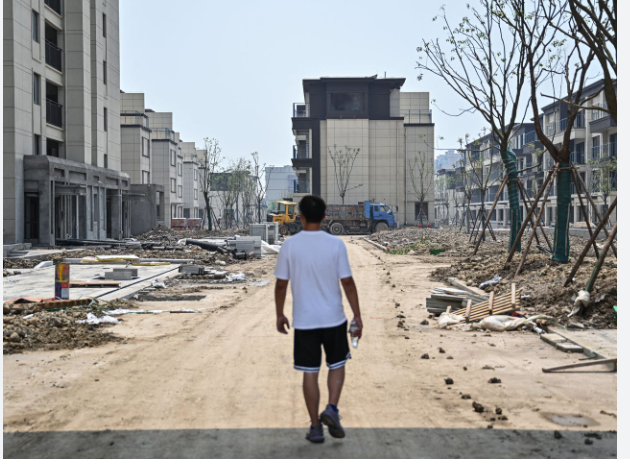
(54, 113)
(578, 123)
(598, 114)
(134, 119)
(530, 137)
(301, 152)
(163, 134)
(53, 56)
(54, 5)
(577, 157)
(417, 116)
(300, 110)
(602, 152)
(301, 187)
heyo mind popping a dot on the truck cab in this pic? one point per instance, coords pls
(380, 212)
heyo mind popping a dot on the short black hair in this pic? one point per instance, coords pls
(313, 208)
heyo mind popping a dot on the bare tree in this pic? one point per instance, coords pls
(484, 64)
(261, 181)
(209, 163)
(567, 62)
(343, 161)
(422, 181)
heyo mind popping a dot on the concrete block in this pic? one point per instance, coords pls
(191, 269)
(122, 274)
(552, 339)
(569, 347)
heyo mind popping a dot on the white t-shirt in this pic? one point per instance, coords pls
(314, 261)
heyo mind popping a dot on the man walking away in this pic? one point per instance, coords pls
(315, 261)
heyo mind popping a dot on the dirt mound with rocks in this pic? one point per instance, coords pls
(29, 327)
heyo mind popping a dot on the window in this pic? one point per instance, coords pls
(36, 88)
(145, 147)
(173, 158)
(179, 191)
(104, 25)
(179, 169)
(35, 26)
(105, 162)
(347, 101)
(145, 177)
(173, 184)
(105, 119)
(195, 194)
(37, 144)
(105, 71)
(194, 174)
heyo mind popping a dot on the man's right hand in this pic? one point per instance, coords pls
(281, 322)
(359, 332)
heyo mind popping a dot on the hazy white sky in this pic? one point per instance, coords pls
(231, 70)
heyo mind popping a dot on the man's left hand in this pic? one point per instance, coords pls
(282, 321)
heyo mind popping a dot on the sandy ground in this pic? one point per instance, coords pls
(220, 383)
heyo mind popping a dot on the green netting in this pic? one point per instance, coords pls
(509, 161)
(563, 209)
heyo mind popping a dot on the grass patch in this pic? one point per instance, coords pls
(424, 240)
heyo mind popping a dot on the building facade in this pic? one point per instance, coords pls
(392, 131)
(593, 146)
(168, 163)
(281, 182)
(192, 197)
(62, 160)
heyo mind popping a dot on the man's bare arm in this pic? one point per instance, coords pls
(353, 298)
(281, 296)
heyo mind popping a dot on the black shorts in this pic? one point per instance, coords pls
(307, 348)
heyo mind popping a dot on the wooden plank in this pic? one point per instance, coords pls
(94, 284)
(468, 305)
(513, 295)
(462, 285)
(491, 303)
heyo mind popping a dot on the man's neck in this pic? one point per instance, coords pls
(312, 227)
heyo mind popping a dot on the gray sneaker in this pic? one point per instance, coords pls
(316, 435)
(331, 419)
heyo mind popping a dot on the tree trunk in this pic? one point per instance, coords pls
(509, 162)
(483, 213)
(208, 210)
(561, 245)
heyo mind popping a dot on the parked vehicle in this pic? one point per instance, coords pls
(287, 218)
(364, 217)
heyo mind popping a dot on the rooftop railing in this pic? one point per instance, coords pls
(300, 110)
(127, 118)
(417, 116)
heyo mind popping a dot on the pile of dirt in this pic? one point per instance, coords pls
(169, 236)
(542, 281)
(33, 328)
(451, 242)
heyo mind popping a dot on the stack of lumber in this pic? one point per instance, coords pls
(444, 297)
(503, 304)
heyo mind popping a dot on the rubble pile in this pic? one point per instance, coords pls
(33, 328)
(542, 282)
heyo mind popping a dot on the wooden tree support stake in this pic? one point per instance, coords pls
(530, 214)
(580, 260)
(583, 209)
(602, 258)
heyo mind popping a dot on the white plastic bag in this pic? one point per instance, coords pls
(581, 302)
(236, 277)
(500, 323)
(446, 320)
(93, 320)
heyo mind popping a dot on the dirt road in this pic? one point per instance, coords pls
(220, 383)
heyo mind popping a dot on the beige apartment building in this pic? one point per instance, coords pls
(193, 202)
(61, 164)
(393, 131)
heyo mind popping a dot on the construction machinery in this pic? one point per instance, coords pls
(287, 218)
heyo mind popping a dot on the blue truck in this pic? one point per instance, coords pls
(364, 217)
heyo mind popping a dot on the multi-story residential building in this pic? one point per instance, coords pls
(168, 163)
(146, 199)
(193, 199)
(447, 160)
(391, 129)
(281, 183)
(61, 166)
(593, 147)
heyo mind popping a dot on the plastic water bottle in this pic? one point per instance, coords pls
(353, 328)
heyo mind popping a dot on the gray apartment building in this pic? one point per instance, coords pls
(392, 130)
(281, 182)
(168, 163)
(62, 174)
(192, 198)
